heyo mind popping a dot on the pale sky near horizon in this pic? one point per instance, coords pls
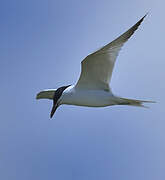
(42, 44)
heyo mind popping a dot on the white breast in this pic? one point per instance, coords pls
(92, 98)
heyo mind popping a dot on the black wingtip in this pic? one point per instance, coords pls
(54, 108)
(142, 18)
(51, 115)
(146, 14)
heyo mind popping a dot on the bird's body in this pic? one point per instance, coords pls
(90, 98)
(92, 88)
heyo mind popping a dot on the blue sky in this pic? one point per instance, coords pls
(42, 45)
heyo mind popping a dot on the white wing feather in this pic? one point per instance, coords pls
(96, 68)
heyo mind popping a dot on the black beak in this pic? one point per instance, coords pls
(55, 106)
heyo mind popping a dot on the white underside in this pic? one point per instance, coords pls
(90, 98)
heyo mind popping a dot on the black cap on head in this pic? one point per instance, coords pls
(56, 97)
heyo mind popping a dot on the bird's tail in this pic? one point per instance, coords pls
(134, 102)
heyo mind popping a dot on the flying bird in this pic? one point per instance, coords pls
(92, 88)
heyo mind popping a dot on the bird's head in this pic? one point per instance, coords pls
(56, 99)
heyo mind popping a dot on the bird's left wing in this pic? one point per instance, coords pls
(96, 68)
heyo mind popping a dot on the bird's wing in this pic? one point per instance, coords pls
(96, 68)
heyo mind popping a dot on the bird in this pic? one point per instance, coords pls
(92, 88)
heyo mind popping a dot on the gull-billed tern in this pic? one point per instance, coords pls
(92, 88)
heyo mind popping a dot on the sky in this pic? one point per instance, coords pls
(42, 44)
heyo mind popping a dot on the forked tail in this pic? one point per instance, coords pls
(134, 102)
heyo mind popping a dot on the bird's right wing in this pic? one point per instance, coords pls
(96, 68)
